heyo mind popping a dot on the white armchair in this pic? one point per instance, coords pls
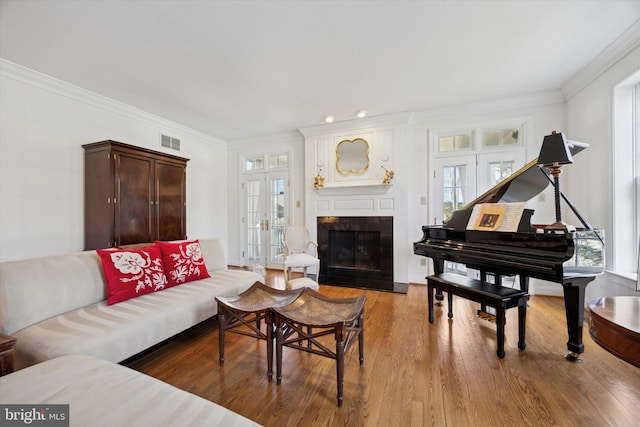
(298, 250)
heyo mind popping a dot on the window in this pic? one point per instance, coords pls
(625, 239)
(454, 143)
(274, 161)
(278, 161)
(500, 138)
(255, 163)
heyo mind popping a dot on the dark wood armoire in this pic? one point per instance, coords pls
(132, 195)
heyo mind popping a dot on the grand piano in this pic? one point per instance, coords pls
(528, 252)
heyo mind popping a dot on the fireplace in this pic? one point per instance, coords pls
(356, 251)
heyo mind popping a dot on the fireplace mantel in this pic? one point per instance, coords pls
(350, 190)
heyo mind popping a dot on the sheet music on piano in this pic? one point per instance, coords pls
(496, 216)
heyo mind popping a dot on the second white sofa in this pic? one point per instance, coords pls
(101, 393)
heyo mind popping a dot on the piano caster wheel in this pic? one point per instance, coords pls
(500, 354)
(573, 357)
(522, 346)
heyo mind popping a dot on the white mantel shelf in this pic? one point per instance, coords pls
(350, 190)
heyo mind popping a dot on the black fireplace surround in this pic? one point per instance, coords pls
(356, 251)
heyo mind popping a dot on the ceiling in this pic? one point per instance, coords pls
(243, 69)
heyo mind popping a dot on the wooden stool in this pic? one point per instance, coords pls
(314, 315)
(242, 314)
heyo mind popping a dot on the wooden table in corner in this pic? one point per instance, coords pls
(615, 325)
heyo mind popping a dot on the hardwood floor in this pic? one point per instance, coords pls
(415, 373)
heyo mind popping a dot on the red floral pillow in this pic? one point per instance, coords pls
(183, 261)
(131, 273)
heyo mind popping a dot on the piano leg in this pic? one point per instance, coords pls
(430, 302)
(522, 324)
(438, 268)
(574, 290)
(500, 320)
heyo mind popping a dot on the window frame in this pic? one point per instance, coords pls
(624, 242)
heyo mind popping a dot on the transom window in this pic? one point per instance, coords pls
(454, 143)
(255, 163)
(278, 161)
(499, 138)
(273, 161)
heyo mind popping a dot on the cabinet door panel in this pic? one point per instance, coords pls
(134, 189)
(170, 201)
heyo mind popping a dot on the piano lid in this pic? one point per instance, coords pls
(524, 184)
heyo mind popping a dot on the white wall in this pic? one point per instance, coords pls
(43, 123)
(589, 119)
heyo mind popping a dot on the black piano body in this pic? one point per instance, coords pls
(528, 252)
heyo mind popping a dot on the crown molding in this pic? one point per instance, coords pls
(34, 78)
(402, 118)
(290, 137)
(491, 106)
(621, 47)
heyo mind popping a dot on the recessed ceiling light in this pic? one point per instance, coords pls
(328, 119)
(361, 113)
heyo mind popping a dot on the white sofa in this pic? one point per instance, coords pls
(101, 393)
(56, 305)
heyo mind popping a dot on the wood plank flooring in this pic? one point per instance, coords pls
(414, 374)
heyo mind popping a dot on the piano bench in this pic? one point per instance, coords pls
(499, 297)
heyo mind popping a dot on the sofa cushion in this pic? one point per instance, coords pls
(182, 261)
(214, 254)
(35, 289)
(131, 273)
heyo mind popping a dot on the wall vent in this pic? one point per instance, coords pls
(170, 142)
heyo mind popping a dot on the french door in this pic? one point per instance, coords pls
(454, 185)
(458, 180)
(266, 217)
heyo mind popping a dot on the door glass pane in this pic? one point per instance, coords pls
(498, 171)
(253, 220)
(454, 188)
(277, 218)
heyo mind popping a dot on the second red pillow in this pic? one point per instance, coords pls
(182, 261)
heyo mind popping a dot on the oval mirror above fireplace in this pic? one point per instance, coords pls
(352, 156)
